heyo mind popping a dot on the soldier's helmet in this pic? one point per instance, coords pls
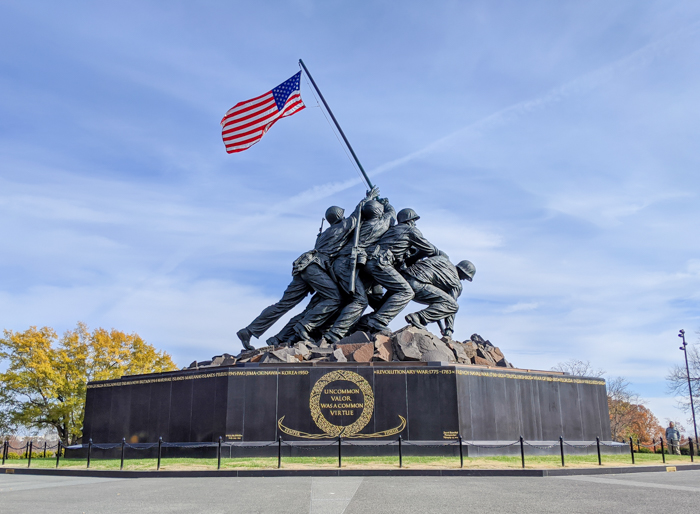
(372, 209)
(334, 214)
(466, 270)
(405, 215)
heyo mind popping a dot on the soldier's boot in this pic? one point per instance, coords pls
(415, 320)
(330, 338)
(244, 335)
(362, 323)
(302, 333)
(375, 326)
(273, 341)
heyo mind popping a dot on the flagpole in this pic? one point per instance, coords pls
(369, 182)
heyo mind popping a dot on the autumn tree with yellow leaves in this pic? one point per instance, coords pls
(45, 377)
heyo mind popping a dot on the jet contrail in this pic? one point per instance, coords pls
(587, 82)
(633, 61)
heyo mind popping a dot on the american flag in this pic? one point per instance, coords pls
(246, 122)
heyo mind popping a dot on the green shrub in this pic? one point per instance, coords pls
(35, 455)
(643, 449)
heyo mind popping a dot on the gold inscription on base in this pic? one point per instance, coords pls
(450, 435)
(339, 395)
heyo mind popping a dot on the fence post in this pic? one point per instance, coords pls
(29, 455)
(279, 452)
(26, 449)
(690, 443)
(218, 455)
(340, 455)
(638, 450)
(4, 451)
(663, 452)
(400, 454)
(160, 446)
(522, 450)
(632, 450)
(44, 448)
(461, 455)
(597, 443)
(89, 452)
(58, 453)
(653, 441)
(561, 449)
(121, 464)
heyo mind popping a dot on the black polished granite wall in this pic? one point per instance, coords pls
(416, 400)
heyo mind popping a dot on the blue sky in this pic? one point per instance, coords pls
(554, 144)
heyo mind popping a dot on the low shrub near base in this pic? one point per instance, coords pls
(35, 455)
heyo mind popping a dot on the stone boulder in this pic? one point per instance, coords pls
(433, 356)
(410, 343)
(303, 350)
(480, 341)
(470, 349)
(355, 338)
(281, 356)
(223, 360)
(486, 355)
(317, 353)
(364, 353)
(350, 348)
(338, 356)
(382, 348)
(481, 362)
(482, 352)
(457, 349)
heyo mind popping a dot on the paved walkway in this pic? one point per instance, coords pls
(641, 492)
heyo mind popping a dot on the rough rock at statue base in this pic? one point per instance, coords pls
(407, 344)
(411, 344)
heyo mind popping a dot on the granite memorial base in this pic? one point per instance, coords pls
(366, 404)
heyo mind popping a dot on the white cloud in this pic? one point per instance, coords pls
(521, 306)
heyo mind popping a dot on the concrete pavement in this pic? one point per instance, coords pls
(641, 492)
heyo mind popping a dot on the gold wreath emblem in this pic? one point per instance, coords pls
(331, 430)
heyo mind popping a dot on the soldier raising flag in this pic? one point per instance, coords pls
(365, 250)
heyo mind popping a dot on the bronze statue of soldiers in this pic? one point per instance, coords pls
(377, 217)
(436, 283)
(310, 273)
(383, 259)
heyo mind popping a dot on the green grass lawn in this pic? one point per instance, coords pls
(385, 462)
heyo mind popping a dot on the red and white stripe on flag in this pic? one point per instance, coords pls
(246, 122)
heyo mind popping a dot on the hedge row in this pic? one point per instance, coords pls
(35, 455)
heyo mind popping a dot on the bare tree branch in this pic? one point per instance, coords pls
(579, 368)
(677, 379)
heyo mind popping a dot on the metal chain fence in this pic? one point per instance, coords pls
(308, 447)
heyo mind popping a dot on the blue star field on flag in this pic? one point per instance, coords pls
(286, 88)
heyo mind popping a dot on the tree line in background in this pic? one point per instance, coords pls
(45, 379)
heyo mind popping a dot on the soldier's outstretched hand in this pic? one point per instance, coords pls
(373, 193)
